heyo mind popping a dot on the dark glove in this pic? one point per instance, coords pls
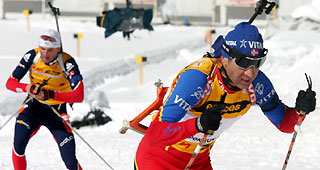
(32, 89)
(306, 101)
(210, 119)
(47, 94)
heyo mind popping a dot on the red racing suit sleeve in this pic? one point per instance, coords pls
(13, 82)
(14, 85)
(290, 119)
(73, 75)
(167, 133)
(74, 96)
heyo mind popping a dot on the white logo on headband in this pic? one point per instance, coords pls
(252, 44)
(49, 44)
(255, 44)
(233, 43)
(243, 43)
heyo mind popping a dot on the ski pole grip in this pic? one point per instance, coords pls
(302, 113)
(209, 131)
(260, 6)
(50, 5)
(55, 10)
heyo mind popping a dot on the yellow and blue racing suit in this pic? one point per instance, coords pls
(68, 86)
(172, 136)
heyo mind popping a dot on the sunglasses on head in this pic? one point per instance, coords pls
(243, 60)
(47, 38)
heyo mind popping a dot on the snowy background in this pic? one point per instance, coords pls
(109, 67)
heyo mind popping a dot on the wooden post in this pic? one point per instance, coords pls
(78, 37)
(275, 12)
(140, 60)
(141, 73)
(208, 37)
(27, 12)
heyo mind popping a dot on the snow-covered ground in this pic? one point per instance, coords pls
(108, 65)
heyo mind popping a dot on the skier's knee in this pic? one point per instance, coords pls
(19, 147)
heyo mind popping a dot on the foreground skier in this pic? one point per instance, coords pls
(205, 99)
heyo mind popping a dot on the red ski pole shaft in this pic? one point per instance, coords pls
(301, 117)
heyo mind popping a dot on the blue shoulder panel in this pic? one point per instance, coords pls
(73, 71)
(24, 65)
(185, 95)
(268, 99)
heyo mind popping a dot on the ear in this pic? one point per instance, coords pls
(224, 61)
(60, 49)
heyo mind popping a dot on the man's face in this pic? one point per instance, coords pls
(242, 78)
(48, 54)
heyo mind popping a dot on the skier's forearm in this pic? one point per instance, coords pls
(74, 96)
(166, 133)
(289, 121)
(14, 85)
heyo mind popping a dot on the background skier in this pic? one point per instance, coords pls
(55, 79)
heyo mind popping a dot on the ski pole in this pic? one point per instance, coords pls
(69, 125)
(13, 115)
(196, 151)
(261, 5)
(302, 115)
